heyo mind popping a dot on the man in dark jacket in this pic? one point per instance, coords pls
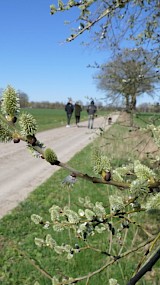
(77, 111)
(91, 110)
(69, 108)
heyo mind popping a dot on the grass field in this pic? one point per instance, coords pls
(147, 118)
(53, 118)
(22, 261)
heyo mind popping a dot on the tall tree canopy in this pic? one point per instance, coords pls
(115, 20)
(130, 74)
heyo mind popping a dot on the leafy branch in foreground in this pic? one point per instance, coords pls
(137, 192)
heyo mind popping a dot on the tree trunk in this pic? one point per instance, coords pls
(133, 102)
(127, 103)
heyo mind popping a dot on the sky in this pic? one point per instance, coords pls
(35, 59)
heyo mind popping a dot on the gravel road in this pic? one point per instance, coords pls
(21, 173)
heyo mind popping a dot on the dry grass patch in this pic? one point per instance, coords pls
(126, 141)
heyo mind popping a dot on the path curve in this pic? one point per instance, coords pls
(21, 173)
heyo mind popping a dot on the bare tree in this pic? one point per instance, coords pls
(130, 74)
(23, 99)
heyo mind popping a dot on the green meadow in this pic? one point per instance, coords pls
(23, 263)
(53, 118)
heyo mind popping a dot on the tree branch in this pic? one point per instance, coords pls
(90, 24)
(147, 267)
(107, 264)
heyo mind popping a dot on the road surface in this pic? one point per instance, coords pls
(21, 173)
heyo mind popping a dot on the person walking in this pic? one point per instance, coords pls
(91, 110)
(77, 111)
(69, 108)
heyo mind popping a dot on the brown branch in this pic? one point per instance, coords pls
(88, 276)
(92, 178)
(120, 185)
(90, 24)
(147, 267)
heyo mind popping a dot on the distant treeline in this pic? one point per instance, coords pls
(59, 105)
(25, 103)
(145, 107)
(45, 105)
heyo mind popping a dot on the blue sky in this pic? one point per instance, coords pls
(34, 59)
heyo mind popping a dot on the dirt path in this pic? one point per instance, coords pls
(21, 173)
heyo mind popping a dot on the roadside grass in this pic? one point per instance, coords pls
(20, 257)
(147, 118)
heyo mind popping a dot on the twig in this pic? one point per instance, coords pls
(124, 239)
(91, 274)
(147, 252)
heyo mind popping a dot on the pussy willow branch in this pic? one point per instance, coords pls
(91, 274)
(85, 176)
(9, 124)
(147, 267)
(89, 247)
(144, 269)
(120, 185)
(91, 24)
(105, 221)
(147, 253)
